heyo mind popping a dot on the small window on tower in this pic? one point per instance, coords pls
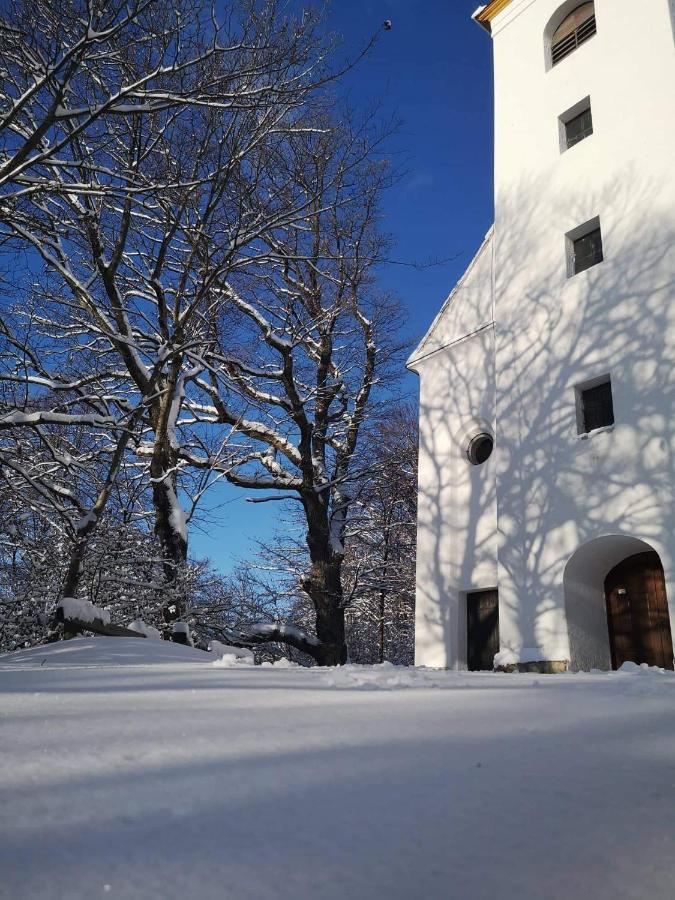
(595, 407)
(579, 127)
(576, 124)
(588, 251)
(584, 247)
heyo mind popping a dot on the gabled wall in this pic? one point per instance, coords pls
(456, 531)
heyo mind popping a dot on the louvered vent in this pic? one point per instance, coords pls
(575, 30)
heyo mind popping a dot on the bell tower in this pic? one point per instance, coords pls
(584, 200)
(547, 450)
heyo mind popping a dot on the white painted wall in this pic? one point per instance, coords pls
(457, 521)
(555, 491)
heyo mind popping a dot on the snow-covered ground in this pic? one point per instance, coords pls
(133, 769)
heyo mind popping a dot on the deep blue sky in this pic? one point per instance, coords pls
(433, 71)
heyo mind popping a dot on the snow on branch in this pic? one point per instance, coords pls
(267, 632)
(77, 615)
(84, 610)
(44, 417)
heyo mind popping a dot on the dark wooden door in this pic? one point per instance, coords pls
(637, 612)
(482, 617)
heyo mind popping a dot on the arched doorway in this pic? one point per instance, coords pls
(584, 579)
(637, 612)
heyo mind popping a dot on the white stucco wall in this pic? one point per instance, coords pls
(469, 307)
(456, 531)
(555, 491)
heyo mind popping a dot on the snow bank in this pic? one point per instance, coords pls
(631, 668)
(229, 661)
(74, 608)
(220, 649)
(389, 677)
(627, 668)
(148, 630)
(179, 781)
(102, 652)
(382, 677)
(228, 656)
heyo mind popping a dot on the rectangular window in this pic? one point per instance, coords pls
(587, 251)
(576, 124)
(595, 407)
(578, 128)
(584, 247)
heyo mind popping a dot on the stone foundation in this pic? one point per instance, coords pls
(540, 667)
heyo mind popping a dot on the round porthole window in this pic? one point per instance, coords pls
(480, 448)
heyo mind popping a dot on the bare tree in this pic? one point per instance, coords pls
(314, 349)
(70, 68)
(133, 139)
(206, 239)
(378, 570)
(380, 562)
(63, 440)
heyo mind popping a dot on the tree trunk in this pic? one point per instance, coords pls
(381, 641)
(75, 565)
(324, 586)
(169, 517)
(383, 598)
(170, 525)
(330, 629)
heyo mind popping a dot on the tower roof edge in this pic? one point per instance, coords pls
(485, 14)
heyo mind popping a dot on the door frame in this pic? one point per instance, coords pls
(655, 644)
(465, 630)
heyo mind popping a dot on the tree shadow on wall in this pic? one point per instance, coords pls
(555, 490)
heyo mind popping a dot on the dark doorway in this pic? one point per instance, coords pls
(482, 618)
(637, 612)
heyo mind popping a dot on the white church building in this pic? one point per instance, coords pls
(546, 530)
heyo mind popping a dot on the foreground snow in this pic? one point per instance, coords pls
(134, 769)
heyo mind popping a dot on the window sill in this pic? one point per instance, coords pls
(588, 434)
(565, 149)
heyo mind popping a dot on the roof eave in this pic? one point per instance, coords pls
(483, 24)
(486, 14)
